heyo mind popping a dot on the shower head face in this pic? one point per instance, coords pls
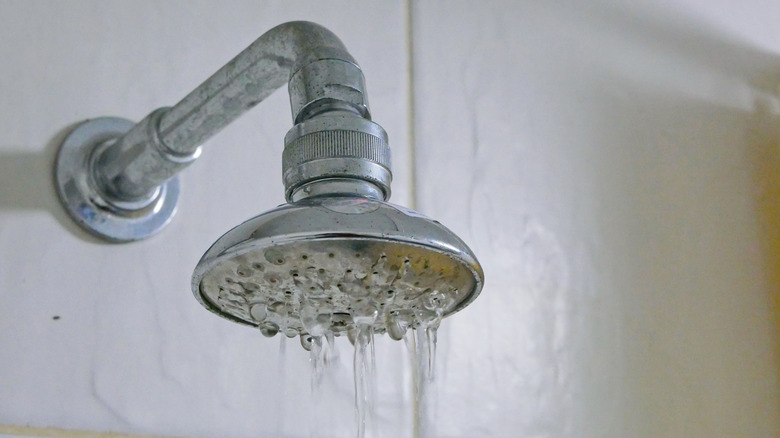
(331, 264)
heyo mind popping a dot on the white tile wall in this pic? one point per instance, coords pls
(132, 351)
(599, 158)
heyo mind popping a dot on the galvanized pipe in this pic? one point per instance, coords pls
(322, 75)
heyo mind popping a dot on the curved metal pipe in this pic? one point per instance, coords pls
(250, 77)
(117, 179)
(318, 67)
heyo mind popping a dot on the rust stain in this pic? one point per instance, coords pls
(51, 432)
(765, 159)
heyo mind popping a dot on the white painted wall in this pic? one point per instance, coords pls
(601, 159)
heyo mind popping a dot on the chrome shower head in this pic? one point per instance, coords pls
(333, 263)
(337, 258)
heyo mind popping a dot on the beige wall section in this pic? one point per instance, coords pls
(604, 161)
(132, 351)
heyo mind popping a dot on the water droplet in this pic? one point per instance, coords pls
(352, 335)
(251, 287)
(258, 312)
(433, 301)
(278, 307)
(274, 256)
(396, 328)
(290, 332)
(306, 341)
(341, 320)
(269, 329)
(365, 316)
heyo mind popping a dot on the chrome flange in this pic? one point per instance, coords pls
(79, 191)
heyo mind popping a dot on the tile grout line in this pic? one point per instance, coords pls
(410, 106)
(52, 432)
(411, 147)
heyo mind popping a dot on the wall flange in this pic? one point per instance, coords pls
(109, 219)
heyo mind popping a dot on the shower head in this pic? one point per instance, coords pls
(337, 258)
(333, 263)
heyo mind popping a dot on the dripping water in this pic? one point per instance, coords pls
(390, 296)
(421, 346)
(364, 364)
(281, 378)
(325, 363)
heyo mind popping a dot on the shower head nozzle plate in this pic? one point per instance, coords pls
(331, 264)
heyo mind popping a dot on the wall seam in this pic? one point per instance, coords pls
(410, 105)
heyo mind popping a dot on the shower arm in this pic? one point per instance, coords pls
(119, 180)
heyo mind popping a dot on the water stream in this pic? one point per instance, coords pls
(325, 365)
(421, 347)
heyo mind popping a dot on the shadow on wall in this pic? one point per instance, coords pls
(666, 322)
(764, 153)
(27, 183)
(692, 183)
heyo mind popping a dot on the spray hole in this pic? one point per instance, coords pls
(349, 271)
(357, 254)
(288, 292)
(258, 266)
(304, 257)
(331, 255)
(321, 271)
